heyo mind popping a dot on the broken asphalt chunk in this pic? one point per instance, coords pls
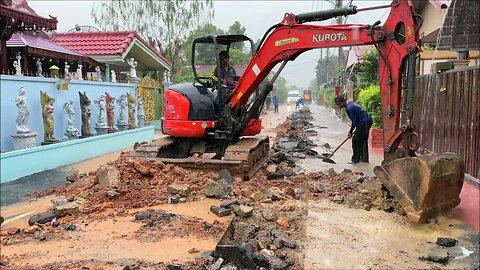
(438, 255)
(446, 242)
(42, 218)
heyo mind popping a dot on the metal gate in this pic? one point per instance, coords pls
(447, 114)
(152, 93)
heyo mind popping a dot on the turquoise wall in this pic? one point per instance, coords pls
(16, 164)
(9, 86)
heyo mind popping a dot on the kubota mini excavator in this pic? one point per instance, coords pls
(214, 128)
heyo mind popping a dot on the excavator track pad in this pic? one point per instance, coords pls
(425, 186)
(244, 157)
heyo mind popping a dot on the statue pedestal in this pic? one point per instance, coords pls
(134, 80)
(48, 143)
(101, 130)
(71, 137)
(112, 130)
(122, 127)
(24, 140)
(134, 127)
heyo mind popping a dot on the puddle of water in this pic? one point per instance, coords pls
(115, 238)
(12, 211)
(199, 209)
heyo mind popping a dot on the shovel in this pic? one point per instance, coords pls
(329, 159)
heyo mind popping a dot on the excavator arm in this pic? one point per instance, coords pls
(395, 41)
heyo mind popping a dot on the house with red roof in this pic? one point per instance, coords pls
(437, 49)
(114, 48)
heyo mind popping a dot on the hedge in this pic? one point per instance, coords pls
(369, 99)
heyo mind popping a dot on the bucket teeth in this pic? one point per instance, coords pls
(425, 186)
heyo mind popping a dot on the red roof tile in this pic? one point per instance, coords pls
(102, 43)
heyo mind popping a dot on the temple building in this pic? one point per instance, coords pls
(25, 36)
(114, 48)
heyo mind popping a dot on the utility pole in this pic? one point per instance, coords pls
(339, 4)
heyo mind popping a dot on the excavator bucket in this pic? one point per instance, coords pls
(425, 186)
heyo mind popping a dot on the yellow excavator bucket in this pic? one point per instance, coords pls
(425, 186)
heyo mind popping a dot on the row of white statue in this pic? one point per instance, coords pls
(130, 109)
(78, 74)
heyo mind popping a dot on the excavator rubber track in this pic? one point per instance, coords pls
(243, 158)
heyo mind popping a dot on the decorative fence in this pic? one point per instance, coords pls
(447, 114)
(150, 90)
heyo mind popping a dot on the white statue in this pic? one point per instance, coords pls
(140, 113)
(99, 73)
(39, 68)
(79, 73)
(67, 70)
(102, 112)
(123, 117)
(18, 66)
(113, 75)
(133, 64)
(23, 112)
(69, 110)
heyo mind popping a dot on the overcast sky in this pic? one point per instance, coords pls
(256, 16)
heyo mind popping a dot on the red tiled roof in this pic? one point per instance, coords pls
(102, 43)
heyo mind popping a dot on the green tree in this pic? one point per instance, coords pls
(237, 29)
(239, 56)
(367, 71)
(204, 52)
(168, 22)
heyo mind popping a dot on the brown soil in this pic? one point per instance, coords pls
(143, 183)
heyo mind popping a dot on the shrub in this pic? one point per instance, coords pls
(369, 99)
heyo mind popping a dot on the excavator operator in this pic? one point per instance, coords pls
(227, 74)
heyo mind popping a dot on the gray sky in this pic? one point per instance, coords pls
(256, 16)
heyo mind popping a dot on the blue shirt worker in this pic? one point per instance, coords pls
(275, 103)
(298, 103)
(361, 124)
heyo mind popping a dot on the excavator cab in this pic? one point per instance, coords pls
(206, 50)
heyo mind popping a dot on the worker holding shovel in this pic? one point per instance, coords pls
(361, 124)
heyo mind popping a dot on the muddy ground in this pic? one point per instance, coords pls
(143, 214)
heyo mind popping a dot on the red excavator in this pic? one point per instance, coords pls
(211, 125)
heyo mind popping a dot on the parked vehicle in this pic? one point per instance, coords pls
(292, 97)
(307, 96)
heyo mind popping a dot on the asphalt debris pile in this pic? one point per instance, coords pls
(132, 183)
(351, 188)
(261, 236)
(291, 144)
